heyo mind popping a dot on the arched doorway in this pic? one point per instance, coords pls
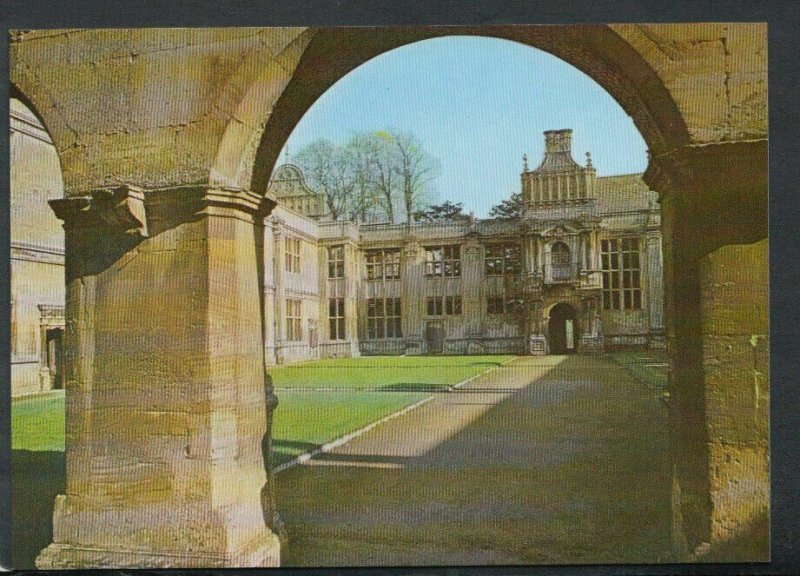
(562, 329)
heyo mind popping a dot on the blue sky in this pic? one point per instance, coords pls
(477, 104)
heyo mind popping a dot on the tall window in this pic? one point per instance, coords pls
(622, 288)
(444, 305)
(383, 264)
(336, 261)
(503, 259)
(384, 318)
(497, 305)
(294, 326)
(292, 254)
(443, 261)
(559, 261)
(336, 318)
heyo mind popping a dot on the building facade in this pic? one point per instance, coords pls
(578, 271)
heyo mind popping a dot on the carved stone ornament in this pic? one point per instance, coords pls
(121, 208)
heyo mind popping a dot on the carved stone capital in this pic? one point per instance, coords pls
(709, 167)
(121, 208)
(140, 213)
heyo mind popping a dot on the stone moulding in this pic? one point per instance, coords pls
(688, 167)
(133, 210)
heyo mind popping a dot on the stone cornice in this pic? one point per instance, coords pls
(708, 167)
(135, 211)
(36, 253)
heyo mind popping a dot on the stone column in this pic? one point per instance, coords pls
(167, 401)
(714, 225)
(734, 288)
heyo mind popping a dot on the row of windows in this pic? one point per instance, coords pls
(441, 261)
(621, 273)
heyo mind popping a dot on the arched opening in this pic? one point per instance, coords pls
(37, 255)
(562, 329)
(37, 328)
(596, 50)
(406, 294)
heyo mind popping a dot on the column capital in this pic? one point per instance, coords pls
(708, 167)
(136, 211)
(121, 207)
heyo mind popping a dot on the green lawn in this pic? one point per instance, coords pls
(400, 373)
(304, 421)
(38, 423)
(648, 366)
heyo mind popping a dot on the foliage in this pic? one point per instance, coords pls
(371, 176)
(446, 211)
(511, 207)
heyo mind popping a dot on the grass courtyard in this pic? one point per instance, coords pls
(319, 401)
(384, 373)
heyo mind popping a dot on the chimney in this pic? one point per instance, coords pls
(558, 141)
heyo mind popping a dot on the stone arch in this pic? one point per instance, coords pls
(52, 123)
(326, 55)
(201, 163)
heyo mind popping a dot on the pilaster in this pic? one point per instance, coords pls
(413, 295)
(473, 293)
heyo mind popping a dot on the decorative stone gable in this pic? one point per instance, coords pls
(559, 179)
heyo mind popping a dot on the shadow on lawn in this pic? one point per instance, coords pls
(413, 387)
(36, 479)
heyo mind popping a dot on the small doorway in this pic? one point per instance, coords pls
(54, 357)
(562, 329)
(434, 337)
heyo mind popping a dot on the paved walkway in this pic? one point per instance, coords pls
(545, 460)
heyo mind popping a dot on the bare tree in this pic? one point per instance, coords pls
(415, 168)
(365, 150)
(372, 175)
(328, 168)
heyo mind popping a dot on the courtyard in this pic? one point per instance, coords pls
(510, 460)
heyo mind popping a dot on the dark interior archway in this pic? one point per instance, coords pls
(562, 329)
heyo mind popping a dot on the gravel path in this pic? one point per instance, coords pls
(544, 460)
